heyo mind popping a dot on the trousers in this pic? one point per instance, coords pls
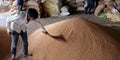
(15, 37)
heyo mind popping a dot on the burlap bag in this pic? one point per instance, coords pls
(99, 9)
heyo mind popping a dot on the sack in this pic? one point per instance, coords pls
(99, 9)
(33, 4)
(51, 7)
(118, 4)
(115, 17)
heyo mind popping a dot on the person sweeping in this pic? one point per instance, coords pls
(16, 26)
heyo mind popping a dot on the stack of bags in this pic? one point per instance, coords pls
(30, 4)
(33, 4)
(112, 12)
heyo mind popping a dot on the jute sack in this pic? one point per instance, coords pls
(50, 7)
(99, 9)
(118, 4)
(33, 4)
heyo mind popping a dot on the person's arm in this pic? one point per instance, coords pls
(8, 25)
(42, 27)
(9, 21)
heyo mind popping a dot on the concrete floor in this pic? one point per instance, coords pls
(46, 21)
(50, 20)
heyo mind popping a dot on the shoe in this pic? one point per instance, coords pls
(13, 57)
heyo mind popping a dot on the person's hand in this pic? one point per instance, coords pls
(9, 33)
(45, 32)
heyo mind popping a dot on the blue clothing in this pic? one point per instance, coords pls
(90, 2)
(90, 6)
(20, 2)
(15, 37)
(20, 8)
(20, 5)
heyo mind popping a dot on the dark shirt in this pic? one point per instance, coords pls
(90, 2)
(21, 2)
